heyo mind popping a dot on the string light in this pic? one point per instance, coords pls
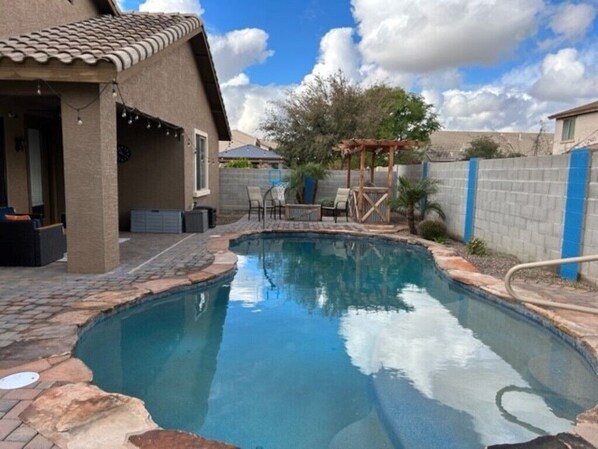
(124, 114)
(79, 121)
(176, 134)
(130, 122)
(137, 116)
(159, 125)
(167, 132)
(148, 125)
(39, 87)
(114, 94)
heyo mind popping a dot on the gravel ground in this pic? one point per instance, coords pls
(494, 264)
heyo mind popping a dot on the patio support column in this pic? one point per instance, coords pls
(90, 178)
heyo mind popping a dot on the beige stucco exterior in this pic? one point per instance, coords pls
(586, 133)
(86, 184)
(24, 16)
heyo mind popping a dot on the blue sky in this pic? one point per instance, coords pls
(501, 65)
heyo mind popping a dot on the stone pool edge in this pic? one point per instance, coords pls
(73, 410)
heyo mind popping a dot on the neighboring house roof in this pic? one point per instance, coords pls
(241, 138)
(450, 145)
(250, 152)
(121, 41)
(579, 110)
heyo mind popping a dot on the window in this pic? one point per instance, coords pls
(201, 163)
(568, 129)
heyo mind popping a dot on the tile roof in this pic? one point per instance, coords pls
(250, 152)
(450, 145)
(123, 40)
(579, 110)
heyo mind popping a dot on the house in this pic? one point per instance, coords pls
(256, 155)
(575, 128)
(103, 112)
(240, 138)
(446, 146)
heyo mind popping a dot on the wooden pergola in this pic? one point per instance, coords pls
(371, 204)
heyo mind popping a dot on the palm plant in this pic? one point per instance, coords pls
(413, 193)
(299, 174)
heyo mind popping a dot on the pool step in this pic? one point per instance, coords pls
(365, 433)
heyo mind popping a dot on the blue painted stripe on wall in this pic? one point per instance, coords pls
(470, 202)
(577, 184)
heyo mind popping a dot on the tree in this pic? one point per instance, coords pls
(412, 193)
(315, 117)
(484, 148)
(409, 116)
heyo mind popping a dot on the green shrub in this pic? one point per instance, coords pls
(431, 229)
(477, 247)
(239, 163)
(441, 240)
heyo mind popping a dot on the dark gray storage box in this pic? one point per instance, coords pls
(196, 220)
(157, 220)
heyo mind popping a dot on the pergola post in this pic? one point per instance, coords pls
(349, 171)
(361, 178)
(372, 167)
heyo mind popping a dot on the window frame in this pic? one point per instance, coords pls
(205, 190)
(568, 131)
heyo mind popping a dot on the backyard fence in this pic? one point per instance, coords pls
(535, 208)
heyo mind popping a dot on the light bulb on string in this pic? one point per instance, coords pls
(136, 116)
(79, 121)
(130, 122)
(176, 134)
(167, 132)
(159, 125)
(114, 90)
(124, 114)
(39, 87)
(148, 125)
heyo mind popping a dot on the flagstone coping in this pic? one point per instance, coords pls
(82, 413)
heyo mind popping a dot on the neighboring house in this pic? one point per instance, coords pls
(240, 138)
(79, 79)
(576, 128)
(257, 156)
(446, 146)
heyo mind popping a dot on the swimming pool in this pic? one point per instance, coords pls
(333, 343)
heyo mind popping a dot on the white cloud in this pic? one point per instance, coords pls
(338, 52)
(429, 35)
(564, 77)
(236, 50)
(246, 105)
(185, 6)
(572, 21)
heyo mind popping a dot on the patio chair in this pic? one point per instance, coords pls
(256, 201)
(341, 204)
(278, 200)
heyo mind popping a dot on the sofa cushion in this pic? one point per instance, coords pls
(6, 210)
(17, 217)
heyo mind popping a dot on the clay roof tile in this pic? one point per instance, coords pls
(124, 40)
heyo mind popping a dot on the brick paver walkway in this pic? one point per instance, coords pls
(31, 297)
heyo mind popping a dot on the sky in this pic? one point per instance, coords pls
(485, 65)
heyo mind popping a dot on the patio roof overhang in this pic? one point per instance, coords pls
(81, 53)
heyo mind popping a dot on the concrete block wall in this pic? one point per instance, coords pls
(233, 183)
(590, 236)
(520, 205)
(452, 193)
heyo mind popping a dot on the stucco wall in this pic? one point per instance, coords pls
(590, 237)
(170, 88)
(451, 194)
(585, 133)
(17, 188)
(520, 205)
(24, 16)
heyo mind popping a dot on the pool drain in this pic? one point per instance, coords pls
(18, 380)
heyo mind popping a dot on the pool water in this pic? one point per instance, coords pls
(339, 343)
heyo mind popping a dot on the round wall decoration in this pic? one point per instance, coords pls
(123, 153)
